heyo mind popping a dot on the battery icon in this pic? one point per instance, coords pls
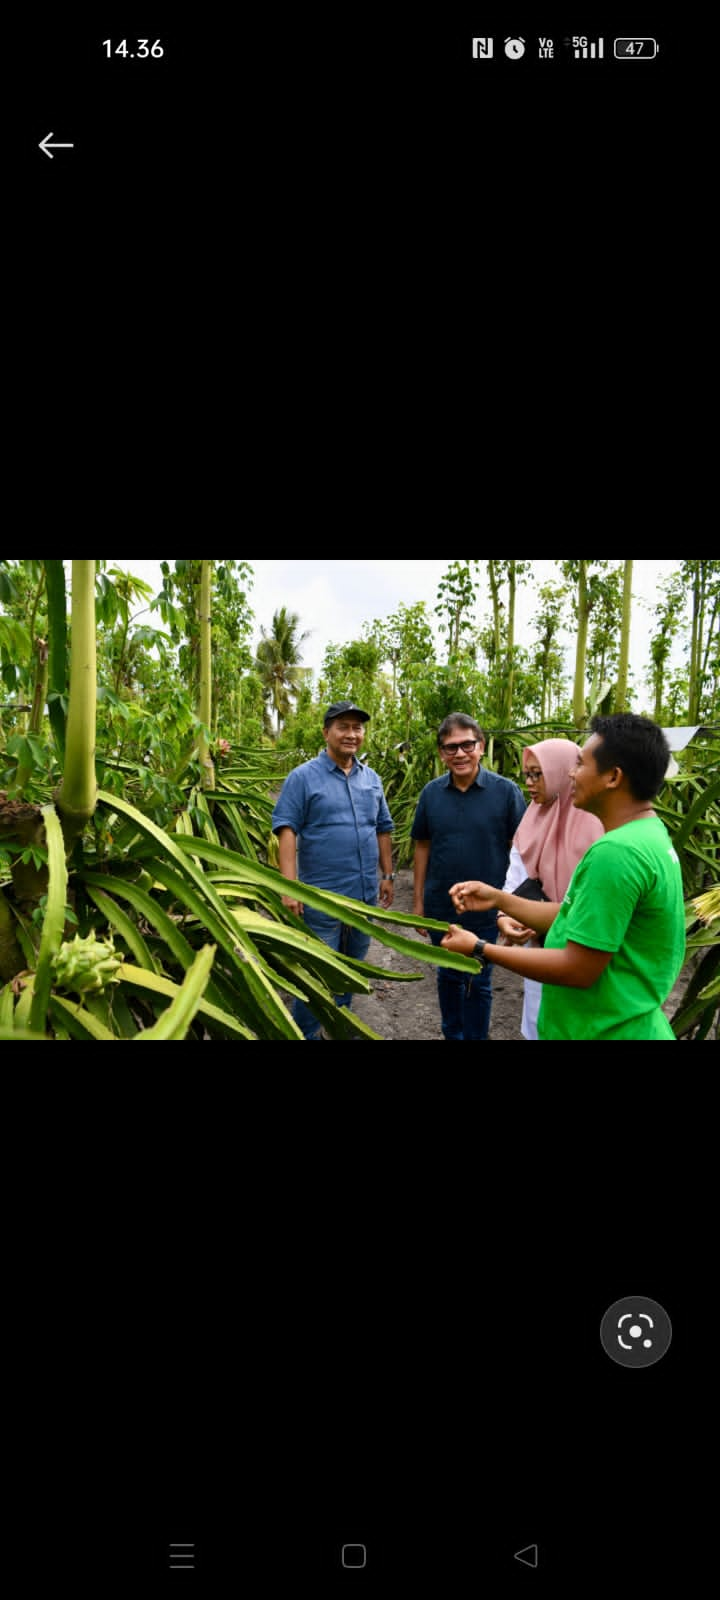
(635, 49)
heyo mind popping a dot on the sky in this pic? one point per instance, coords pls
(334, 599)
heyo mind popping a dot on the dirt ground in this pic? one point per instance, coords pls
(411, 1011)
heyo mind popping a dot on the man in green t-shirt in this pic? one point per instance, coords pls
(614, 947)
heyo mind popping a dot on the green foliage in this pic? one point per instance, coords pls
(15, 651)
(278, 665)
(187, 893)
(698, 1014)
(23, 632)
(53, 921)
(689, 695)
(178, 1016)
(689, 805)
(457, 592)
(180, 885)
(34, 855)
(232, 621)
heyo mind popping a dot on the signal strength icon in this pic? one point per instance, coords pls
(585, 49)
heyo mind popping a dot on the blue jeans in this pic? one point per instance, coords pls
(338, 936)
(463, 1014)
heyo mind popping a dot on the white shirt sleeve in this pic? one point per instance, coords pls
(516, 874)
(517, 871)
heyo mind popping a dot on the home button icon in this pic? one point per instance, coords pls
(354, 1555)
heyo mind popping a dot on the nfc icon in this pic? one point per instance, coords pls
(482, 49)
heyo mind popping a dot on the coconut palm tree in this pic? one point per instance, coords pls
(278, 663)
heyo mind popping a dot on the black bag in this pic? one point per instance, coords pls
(531, 889)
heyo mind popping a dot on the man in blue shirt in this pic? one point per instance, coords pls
(332, 823)
(466, 815)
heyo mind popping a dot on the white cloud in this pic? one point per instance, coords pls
(334, 599)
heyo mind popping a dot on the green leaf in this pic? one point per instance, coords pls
(702, 938)
(57, 656)
(205, 821)
(174, 1023)
(370, 919)
(148, 909)
(54, 923)
(28, 750)
(12, 1034)
(25, 1000)
(696, 813)
(153, 983)
(7, 1006)
(234, 815)
(339, 973)
(212, 914)
(81, 1023)
(24, 938)
(254, 974)
(125, 927)
(335, 967)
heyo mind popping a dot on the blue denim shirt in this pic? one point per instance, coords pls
(336, 819)
(470, 833)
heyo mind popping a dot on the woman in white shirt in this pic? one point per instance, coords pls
(550, 841)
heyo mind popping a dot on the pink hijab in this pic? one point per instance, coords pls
(552, 837)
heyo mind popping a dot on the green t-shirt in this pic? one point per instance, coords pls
(625, 895)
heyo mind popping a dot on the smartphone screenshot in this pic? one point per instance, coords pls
(395, 1332)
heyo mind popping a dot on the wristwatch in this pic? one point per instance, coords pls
(391, 876)
(478, 949)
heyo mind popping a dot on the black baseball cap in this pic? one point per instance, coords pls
(341, 709)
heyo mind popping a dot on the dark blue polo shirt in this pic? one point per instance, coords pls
(470, 833)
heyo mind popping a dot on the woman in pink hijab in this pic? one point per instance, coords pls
(550, 841)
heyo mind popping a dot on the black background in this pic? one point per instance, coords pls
(304, 116)
(393, 275)
(271, 1315)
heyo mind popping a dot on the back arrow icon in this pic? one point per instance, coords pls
(43, 145)
(528, 1556)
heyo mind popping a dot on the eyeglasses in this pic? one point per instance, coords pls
(465, 746)
(533, 775)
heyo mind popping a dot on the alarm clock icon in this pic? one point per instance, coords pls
(514, 48)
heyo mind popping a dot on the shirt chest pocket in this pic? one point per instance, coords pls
(364, 805)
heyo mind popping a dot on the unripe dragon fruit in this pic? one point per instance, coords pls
(86, 965)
